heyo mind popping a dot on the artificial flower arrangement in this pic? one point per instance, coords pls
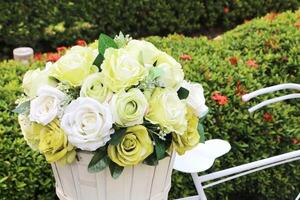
(122, 99)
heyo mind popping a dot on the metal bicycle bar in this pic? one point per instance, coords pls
(249, 166)
(250, 171)
(274, 100)
(266, 90)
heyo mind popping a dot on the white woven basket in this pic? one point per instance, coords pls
(141, 182)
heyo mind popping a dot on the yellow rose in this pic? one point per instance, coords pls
(167, 110)
(30, 130)
(121, 70)
(75, 66)
(54, 144)
(134, 147)
(190, 138)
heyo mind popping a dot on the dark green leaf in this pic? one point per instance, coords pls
(22, 108)
(99, 161)
(160, 147)
(115, 169)
(183, 93)
(151, 160)
(105, 42)
(98, 61)
(117, 136)
(200, 129)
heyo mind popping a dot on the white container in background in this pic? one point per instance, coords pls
(23, 54)
(140, 182)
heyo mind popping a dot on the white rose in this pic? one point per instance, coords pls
(88, 123)
(172, 73)
(196, 98)
(34, 79)
(144, 51)
(47, 105)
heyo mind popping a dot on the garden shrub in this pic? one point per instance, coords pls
(260, 53)
(267, 52)
(24, 174)
(46, 24)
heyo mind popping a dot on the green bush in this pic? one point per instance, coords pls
(24, 174)
(273, 42)
(46, 24)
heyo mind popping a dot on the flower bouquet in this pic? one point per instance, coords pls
(116, 105)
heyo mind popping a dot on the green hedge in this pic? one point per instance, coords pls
(273, 42)
(46, 24)
(24, 174)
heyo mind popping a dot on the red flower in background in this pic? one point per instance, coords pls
(252, 63)
(185, 57)
(81, 42)
(268, 117)
(226, 9)
(61, 49)
(271, 16)
(295, 141)
(221, 99)
(52, 57)
(38, 56)
(240, 89)
(247, 21)
(297, 24)
(233, 60)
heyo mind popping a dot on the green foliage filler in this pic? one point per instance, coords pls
(260, 53)
(46, 24)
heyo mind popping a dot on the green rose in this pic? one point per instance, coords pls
(134, 147)
(167, 110)
(34, 79)
(75, 66)
(172, 73)
(54, 144)
(129, 108)
(190, 138)
(144, 51)
(94, 87)
(121, 70)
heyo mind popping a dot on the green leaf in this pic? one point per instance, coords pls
(183, 93)
(105, 42)
(200, 129)
(99, 161)
(160, 147)
(117, 136)
(151, 160)
(22, 108)
(98, 61)
(115, 169)
(155, 72)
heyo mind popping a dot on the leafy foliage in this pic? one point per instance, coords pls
(24, 174)
(47, 24)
